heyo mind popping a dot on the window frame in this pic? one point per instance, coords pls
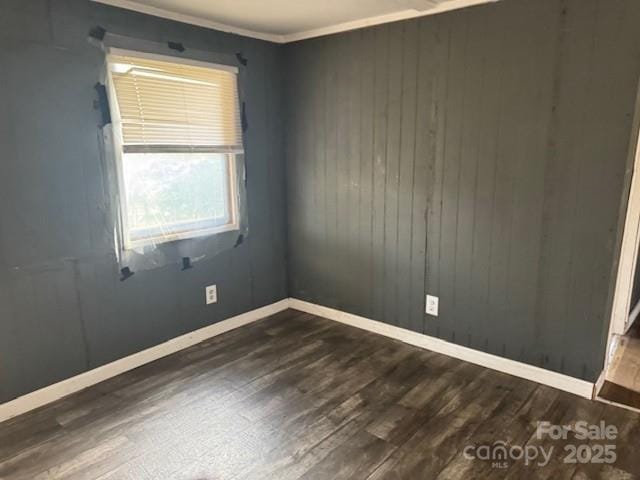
(232, 157)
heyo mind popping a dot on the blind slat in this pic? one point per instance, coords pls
(163, 103)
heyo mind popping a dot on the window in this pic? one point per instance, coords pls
(177, 130)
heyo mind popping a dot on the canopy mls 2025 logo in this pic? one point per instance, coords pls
(580, 442)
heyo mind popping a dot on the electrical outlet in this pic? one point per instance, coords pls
(432, 305)
(211, 293)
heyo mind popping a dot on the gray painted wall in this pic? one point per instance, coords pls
(477, 155)
(63, 309)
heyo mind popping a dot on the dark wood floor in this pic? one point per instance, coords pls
(297, 396)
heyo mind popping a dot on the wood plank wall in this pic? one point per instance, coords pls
(477, 155)
(63, 309)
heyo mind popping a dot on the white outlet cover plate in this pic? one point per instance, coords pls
(432, 305)
(211, 293)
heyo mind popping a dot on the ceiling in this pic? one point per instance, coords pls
(289, 20)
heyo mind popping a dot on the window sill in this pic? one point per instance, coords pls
(174, 237)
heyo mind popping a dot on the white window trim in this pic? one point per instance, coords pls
(168, 58)
(234, 223)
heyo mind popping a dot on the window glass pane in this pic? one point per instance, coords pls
(169, 193)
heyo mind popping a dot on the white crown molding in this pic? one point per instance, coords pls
(294, 37)
(501, 364)
(381, 19)
(200, 22)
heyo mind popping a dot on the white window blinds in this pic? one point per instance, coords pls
(176, 107)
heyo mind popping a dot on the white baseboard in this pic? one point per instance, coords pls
(512, 367)
(599, 383)
(66, 387)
